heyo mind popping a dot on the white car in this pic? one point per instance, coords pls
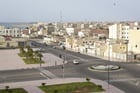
(75, 61)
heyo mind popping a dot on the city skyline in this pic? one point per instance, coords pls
(62, 10)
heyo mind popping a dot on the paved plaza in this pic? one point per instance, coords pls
(10, 60)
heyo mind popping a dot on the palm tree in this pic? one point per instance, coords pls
(40, 56)
(22, 51)
(36, 54)
(29, 49)
(29, 53)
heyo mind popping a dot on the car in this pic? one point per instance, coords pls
(75, 61)
(54, 47)
(42, 50)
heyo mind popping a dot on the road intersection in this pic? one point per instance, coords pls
(18, 71)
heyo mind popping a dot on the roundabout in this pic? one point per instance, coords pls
(104, 68)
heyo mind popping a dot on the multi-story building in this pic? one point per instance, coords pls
(118, 31)
(50, 29)
(134, 41)
(124, 33)
(14, 32)
(1, 29)
(113, 31)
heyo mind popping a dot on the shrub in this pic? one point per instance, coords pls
(55, 91)
(100, 86)
(43, 84)
(7, 87)
(88, 79)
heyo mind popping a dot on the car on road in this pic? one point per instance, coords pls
(75, 61)
(42, 50)
(54, 47)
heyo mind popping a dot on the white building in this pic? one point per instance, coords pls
(48, 39)
(113, 31)
(124, 33)
(81, 34)
(70, 31)
(14, 32)
(118, 31)
(2, 27)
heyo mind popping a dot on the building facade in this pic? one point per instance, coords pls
(119, 32)
(14, 32)
(134, 41)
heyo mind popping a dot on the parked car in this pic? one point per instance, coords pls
(75, 61)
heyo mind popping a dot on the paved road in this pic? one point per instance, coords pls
(126, 79)
(35, 75)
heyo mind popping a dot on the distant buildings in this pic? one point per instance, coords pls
(118, 40)
(13, 32)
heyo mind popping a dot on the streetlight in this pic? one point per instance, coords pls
(108, 64)
(64, 58)
(63, 70)
(126, 42)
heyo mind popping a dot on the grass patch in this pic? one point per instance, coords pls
(15, 90)
(80, 87)
(33, 61)
(21, 55)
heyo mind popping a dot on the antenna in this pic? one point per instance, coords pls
(60, 16)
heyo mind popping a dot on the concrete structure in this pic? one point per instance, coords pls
(116, 50)
(110, 49)
(13, 32)
(50, 29)
(70, 31)
(124, 33)
(9, 42)
(134, 42)
(118, 31)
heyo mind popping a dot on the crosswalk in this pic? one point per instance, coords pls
(47, 74)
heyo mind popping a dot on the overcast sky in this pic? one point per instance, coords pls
(70, 10)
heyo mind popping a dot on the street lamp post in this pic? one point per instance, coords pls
(63, 69)
(108, 78)
(126, 42)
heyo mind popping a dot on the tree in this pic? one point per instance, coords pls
(29, 49)
(40, 56)
(29, 53)
(36, 54)
(22, 51)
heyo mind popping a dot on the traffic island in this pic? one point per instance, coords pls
(104, 68)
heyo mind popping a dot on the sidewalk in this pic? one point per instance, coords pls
(10, 60)
(32, 86)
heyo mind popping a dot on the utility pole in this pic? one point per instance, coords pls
(63, 69)
(108, 65)
(126, 42)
